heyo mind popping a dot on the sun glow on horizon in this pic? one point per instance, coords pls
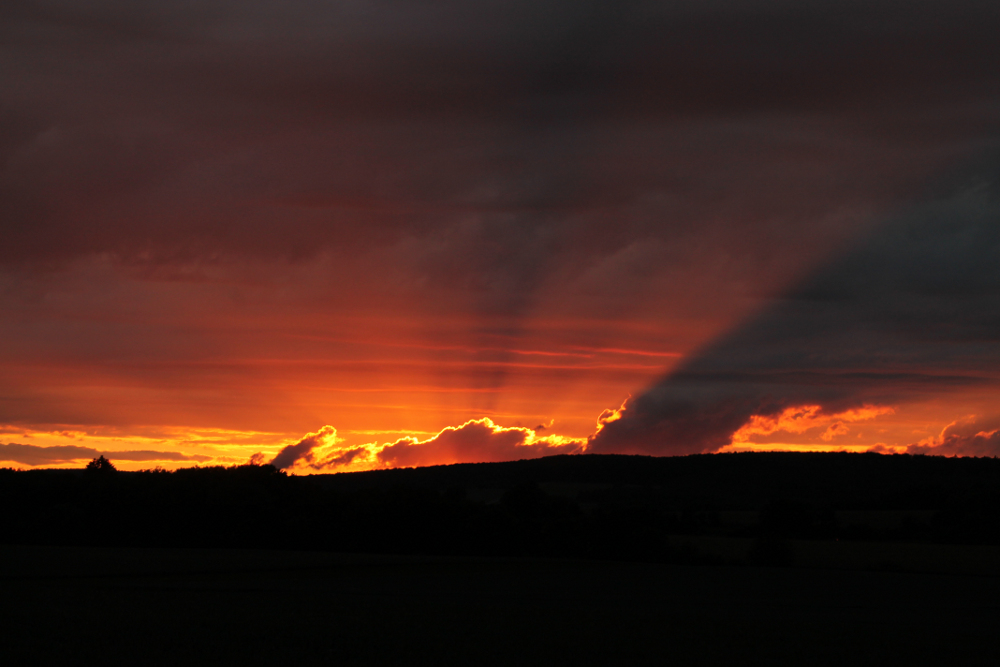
(474, 440)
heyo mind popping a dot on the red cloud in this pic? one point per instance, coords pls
(959, 440)
(478, 440)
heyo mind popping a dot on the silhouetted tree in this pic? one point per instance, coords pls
(101, 465)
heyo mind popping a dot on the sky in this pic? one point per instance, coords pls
(376, 233)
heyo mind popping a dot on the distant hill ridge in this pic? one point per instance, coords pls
(744, 480)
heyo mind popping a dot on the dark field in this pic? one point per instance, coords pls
(586, 560)
(66, 606)
(912, 513)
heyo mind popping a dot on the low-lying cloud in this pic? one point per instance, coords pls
(302, 451)
(802, 419)
(341, 457)
(960, 439)
(911, 312)
(35, 455)
(477, 440)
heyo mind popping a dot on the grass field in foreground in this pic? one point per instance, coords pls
(962, 559)
(228, 607)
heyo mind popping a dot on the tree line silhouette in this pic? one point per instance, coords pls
(590, 506)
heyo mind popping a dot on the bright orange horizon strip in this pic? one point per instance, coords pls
(870, 428)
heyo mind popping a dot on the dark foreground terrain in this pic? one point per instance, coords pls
(774, 559)
(72, 606)
(912, 513)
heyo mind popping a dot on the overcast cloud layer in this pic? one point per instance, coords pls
(392, 215)
(166, 131)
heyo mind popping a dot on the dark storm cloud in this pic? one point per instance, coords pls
(162, 131)
(913, 311)
(487, 152)
(34, 455)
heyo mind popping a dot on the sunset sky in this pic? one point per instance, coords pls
(348, 235)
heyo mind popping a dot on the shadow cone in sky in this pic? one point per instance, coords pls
(911, 312)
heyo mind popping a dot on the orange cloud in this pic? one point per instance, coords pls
(802, 418)
(302, 451)
(611, 415)
(883, 448)
(477, 440)
(959, 438)
(834, 430)
(793, 420)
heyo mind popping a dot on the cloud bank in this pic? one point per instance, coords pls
(960, 438)
(475, 441)
(193, 196)
(912, 311)
(34, 455)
